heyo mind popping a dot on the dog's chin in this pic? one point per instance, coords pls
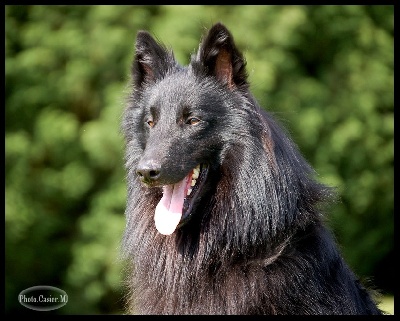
(193, 199)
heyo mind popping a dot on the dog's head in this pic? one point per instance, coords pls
(179, 120)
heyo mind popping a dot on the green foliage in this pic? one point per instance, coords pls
(325, 71)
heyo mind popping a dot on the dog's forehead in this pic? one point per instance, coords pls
(177, 89)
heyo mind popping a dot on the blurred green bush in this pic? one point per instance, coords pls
(325, 71)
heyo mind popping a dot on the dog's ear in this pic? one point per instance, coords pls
(219, 55)
(151, 61)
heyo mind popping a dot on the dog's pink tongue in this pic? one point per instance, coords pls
(169, 209)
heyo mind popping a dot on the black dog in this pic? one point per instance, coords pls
(222, 212)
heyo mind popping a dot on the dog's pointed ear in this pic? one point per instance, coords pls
(152, 60)
(221, 58)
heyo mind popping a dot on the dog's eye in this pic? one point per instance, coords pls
(193, 121)
(150, 123)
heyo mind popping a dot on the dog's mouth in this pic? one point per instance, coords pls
(176, 204)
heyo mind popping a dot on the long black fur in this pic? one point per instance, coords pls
(256, 241)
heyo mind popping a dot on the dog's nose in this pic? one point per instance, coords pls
(148, 171)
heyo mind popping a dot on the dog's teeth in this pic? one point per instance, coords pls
(195, 176)
(196, 172)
